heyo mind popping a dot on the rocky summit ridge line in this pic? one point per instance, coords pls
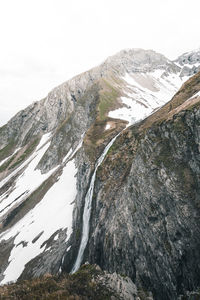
(145, 198)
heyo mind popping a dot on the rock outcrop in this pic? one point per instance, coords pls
(90, 282)
(145, 218)
(189, 63)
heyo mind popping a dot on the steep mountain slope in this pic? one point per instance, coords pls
(145, 217)
(49, 170)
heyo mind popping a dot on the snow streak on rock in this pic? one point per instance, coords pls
(29, 181)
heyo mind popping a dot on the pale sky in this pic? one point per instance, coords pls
(45, 42)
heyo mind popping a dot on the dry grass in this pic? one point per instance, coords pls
(97, 137)
(79, 286)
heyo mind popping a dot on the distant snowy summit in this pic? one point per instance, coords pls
(189, 62)
(139, 60)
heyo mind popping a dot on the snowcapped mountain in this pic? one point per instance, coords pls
(189, 62)
(51, 159)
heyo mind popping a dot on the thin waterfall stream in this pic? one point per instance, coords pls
(87, 209)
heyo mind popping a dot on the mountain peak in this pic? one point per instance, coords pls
(138, 60)
(189, 62)
(76, 187)
(190, 57)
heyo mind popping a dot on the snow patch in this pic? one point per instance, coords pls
(132, 113)
(197, 94)
(43, 140)
(28, 181)
(56, 237)
(190, 66)
(107, 126)
(194, 96)
(71, 153)
(36, 152)
(54, 212)
(142, 98)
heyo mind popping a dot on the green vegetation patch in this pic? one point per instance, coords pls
(13, 162)
(7, 150)
(107, 100)
(7, 163)
(26, 153)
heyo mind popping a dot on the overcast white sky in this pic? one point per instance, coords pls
(45, 42)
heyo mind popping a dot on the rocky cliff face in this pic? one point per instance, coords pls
(143, 220)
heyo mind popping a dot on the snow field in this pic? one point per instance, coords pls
(142, 101)
(52, 213)
(28, 181)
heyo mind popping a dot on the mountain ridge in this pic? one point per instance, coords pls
(57, 142)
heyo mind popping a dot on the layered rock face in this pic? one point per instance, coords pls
(144, 217)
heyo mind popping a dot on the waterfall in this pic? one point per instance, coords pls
(87, 209)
